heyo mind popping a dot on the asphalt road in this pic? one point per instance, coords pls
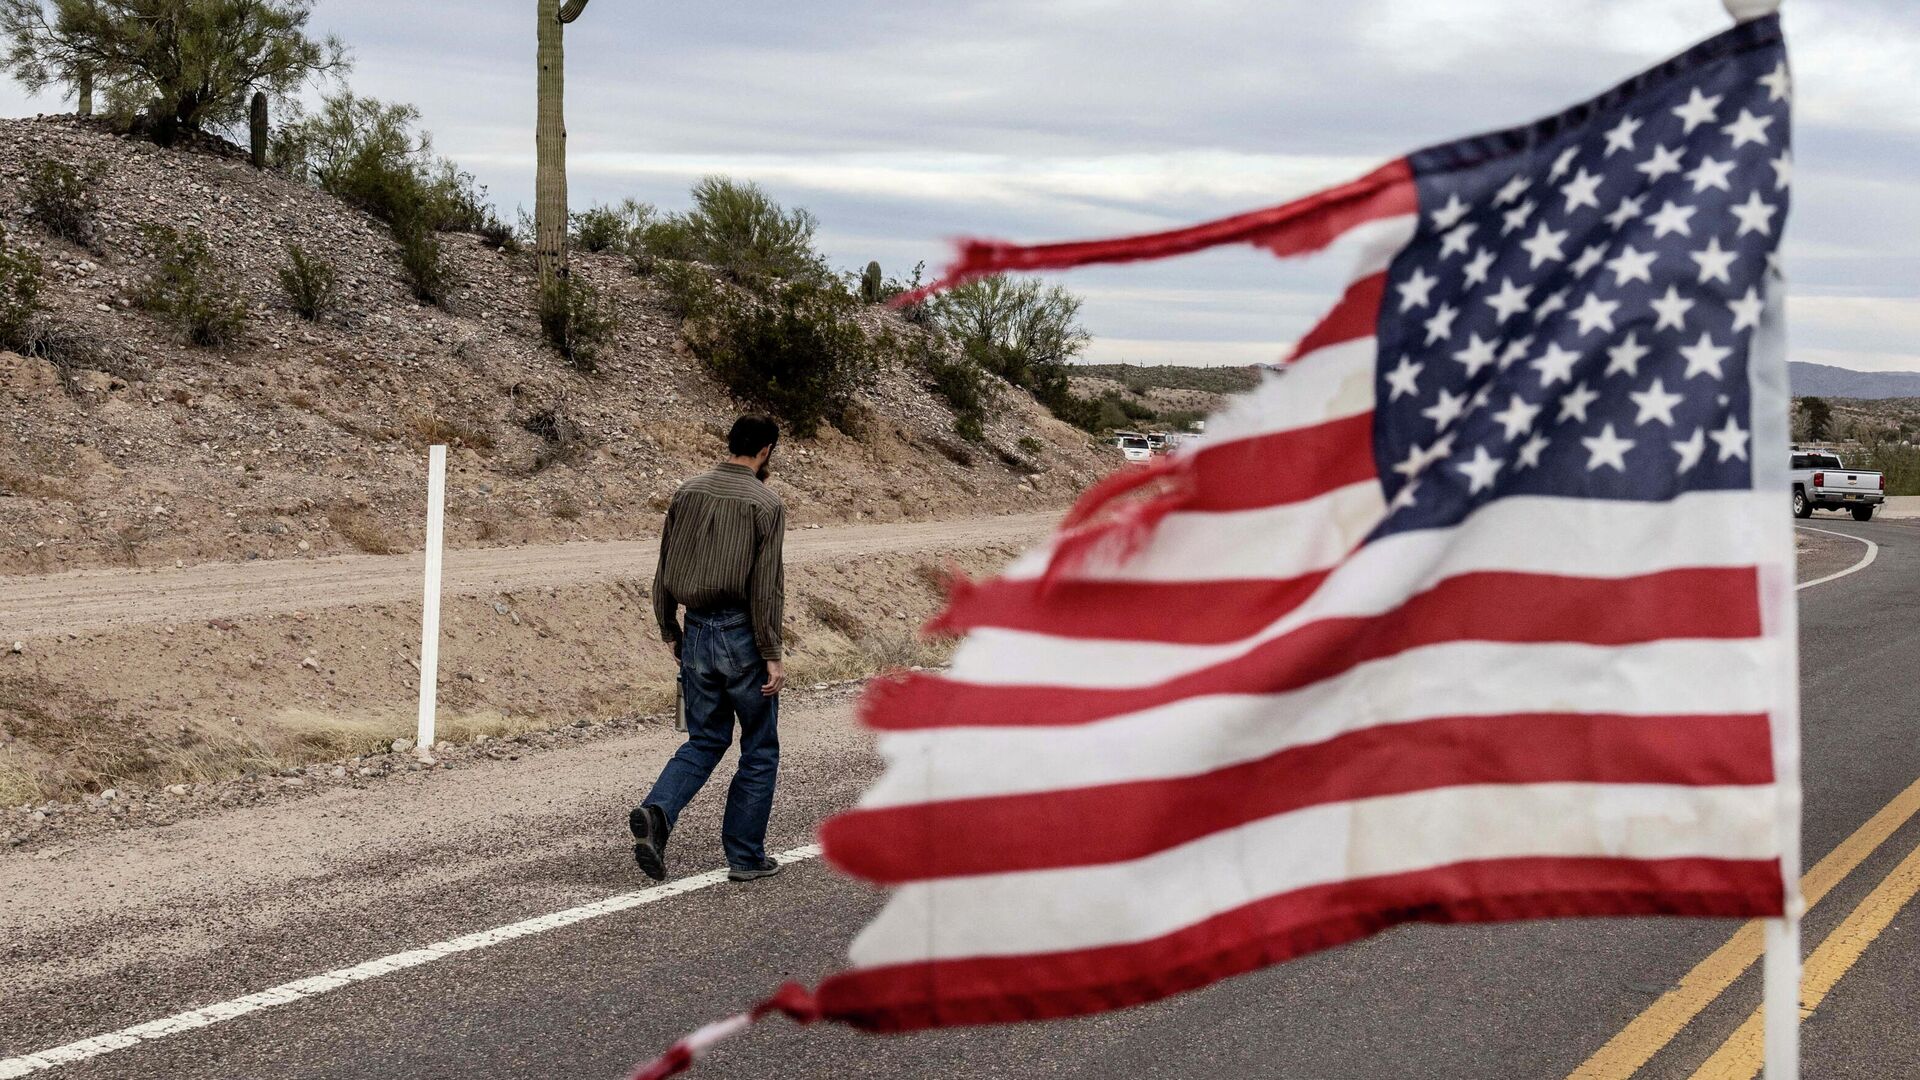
(130, 928)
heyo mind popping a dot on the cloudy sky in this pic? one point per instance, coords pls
(903, 125)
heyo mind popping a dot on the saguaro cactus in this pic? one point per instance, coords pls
(871, 284)
(550, 141)
(259, 130)
(84, 91)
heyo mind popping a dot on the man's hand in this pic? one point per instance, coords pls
(776, 678)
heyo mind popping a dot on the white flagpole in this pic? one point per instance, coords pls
(430, 608)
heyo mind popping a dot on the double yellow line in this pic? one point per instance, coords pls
(1740, 1056)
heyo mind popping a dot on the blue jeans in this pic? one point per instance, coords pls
(721, 674)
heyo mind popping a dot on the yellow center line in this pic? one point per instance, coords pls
(1741, 1056)
(1653, 1029)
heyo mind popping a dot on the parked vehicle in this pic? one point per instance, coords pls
(1821, 482)
(1135, 449)
(1157, 441)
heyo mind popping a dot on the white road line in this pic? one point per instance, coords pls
(314, 986)
(1873, 552)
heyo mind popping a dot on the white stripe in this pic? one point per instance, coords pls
(313, 986)
(1086, 907)
(1377, 242)
(1199, 735)
(1589, 538)
(1240, 543)
(1323, 385)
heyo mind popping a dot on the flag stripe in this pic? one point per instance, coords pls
(1092, 906)
(1465, 678)
(1688, 603)
(1122, 822)
(1355, 317)
(1598, 539)
(1331, 383)
(998, 989)
(1283, 467)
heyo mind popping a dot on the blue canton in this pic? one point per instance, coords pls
(1574, 315)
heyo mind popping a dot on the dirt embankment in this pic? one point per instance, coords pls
(308, 439)
(131, 682)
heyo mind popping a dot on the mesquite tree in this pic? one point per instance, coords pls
(550, 141)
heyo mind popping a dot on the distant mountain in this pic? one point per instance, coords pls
(1820, 380)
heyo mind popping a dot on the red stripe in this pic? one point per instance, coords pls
(986, 990)
(1295, 228)
(1175, 612)
(1283, 467)
(1713, 603)
(1120, 822)
(1356, 316)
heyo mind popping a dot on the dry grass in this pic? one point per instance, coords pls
(835, 618)
(428, 430)
(359, 528)
(877, 654)
(31, 484)
(566, 507)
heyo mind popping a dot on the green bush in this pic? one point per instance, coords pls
(739, 230)
(1026, 333)
(20, 272)
(312, 285)
(189, 289)
(64, 199)
(424, 263)
(577, 321)
(796, 351)
(617, 227)
(1900, 463)
(1030, 446)
(369, 154)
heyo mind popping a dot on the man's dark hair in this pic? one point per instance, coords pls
(752, 434)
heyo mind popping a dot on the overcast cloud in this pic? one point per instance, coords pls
(903, 125)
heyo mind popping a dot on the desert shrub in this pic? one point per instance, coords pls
(577, 321)
(968, 390)
(1143, 377)
(312, 285)
(1023, 331)
(424, 263)
(796, 351)
(370, 154)
(1030, 446)
(64, 199)
(1900, 463)
(359, 528)
(613, 227)
(739, 230)
(562, 438)
(20, 272)
(499, 235)
(188, 289)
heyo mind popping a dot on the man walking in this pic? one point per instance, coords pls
(720, 557)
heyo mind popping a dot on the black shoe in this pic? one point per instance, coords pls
(650, 829)
(766, 869)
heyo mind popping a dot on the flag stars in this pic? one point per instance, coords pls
(1574, 405)
(1656, 404)
(1478, 355)
(1595, 314)
(1451, 214)
(1756, 215)
(1512, 191)
(1730, 441)
(1608, 449)
(1481, 470)
(1705, 358)
(1746, 310)
(1779, 83)
(1625, 357)
(1715, 262)
(1457, 238)
(1630, 207)
(1529, 455)
(1417, 290)
(1478, 269)
(1440, 326)
(1632, 265)
(1446, 410)
(1783, 171)
(1555, 365)
(1748, 129)
(1517, 218)
(1545, 245)
(1516, 349)
(1690, 450)
(1582, 190)
(1671, 310)
(1711, 174)
(1663, 162)
(1517, 417)
(1699, 109)
(1671, 218)
(1620, 136)
(1588, 259)
(1562, 163)
(1510, 300)
(1404, 379)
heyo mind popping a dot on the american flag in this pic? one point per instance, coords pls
(1479, 610)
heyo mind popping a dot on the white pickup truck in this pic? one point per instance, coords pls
(1820, 482)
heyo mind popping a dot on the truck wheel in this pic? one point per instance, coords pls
(1801, 507)
(1863, 513)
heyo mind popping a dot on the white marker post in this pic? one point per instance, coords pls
(430, 603)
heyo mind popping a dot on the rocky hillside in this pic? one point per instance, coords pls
(307, 438)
